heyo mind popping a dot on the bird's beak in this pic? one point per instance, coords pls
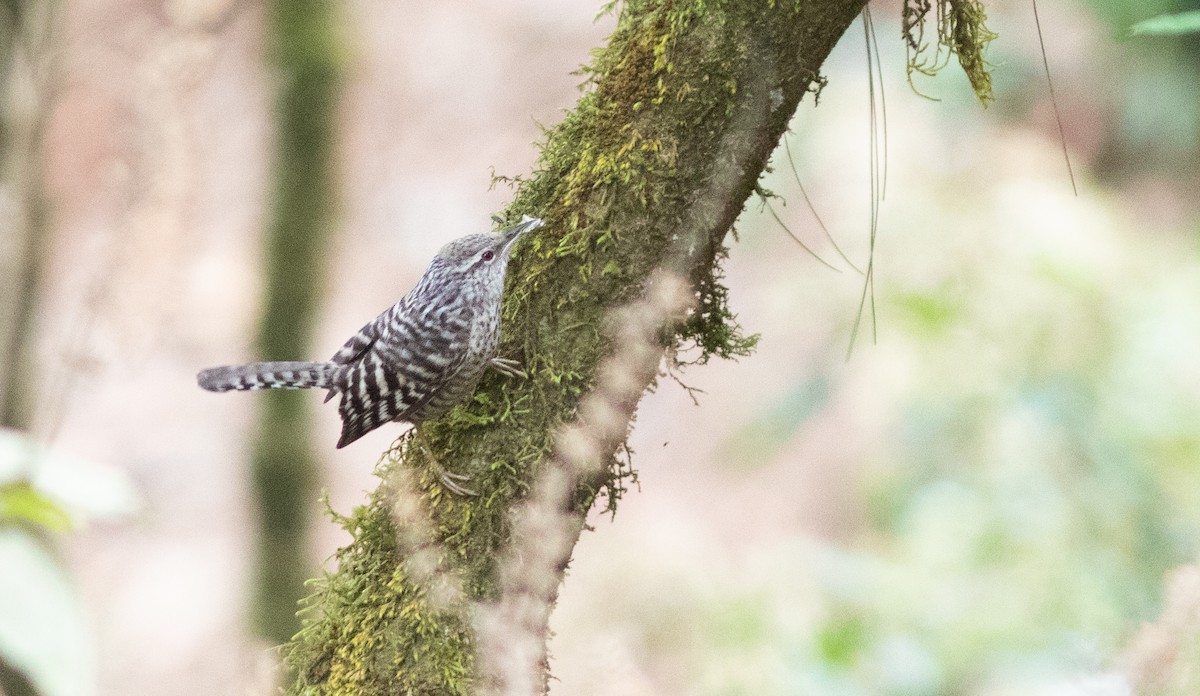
(527, 224)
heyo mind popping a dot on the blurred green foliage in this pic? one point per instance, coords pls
(21, 502)
(45, 642)
(1169, 24)
(766, 434)
(1039, 471)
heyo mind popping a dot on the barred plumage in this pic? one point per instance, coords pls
(417, 359)
(268, 375)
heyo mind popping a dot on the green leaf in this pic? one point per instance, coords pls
(1169, 24)
(19, 501)
(42, 632)
(83, 490)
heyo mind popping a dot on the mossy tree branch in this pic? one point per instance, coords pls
(649, 171)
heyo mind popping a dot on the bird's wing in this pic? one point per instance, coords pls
(356, 348)
(408, 365)
(358, 344)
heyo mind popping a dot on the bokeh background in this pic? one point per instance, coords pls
(997, 492)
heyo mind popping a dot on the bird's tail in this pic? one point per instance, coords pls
(269, 375)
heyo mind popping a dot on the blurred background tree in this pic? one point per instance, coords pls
(306, 56)
(26, 81)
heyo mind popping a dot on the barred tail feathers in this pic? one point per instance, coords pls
(269, 375)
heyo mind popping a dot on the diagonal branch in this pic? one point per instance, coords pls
(645, 176)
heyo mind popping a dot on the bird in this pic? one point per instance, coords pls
(418, 358)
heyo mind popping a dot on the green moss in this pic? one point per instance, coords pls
(376, 627)
(960, 32)
(713, 328)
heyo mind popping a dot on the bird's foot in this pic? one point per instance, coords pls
(508, 368)
(449, 480)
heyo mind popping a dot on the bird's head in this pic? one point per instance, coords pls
(478, 260)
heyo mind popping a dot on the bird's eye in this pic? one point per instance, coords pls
(489, 255)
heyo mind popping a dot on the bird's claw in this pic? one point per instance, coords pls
(450, 481)
(508, 368)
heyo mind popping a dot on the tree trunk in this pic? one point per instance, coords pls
(648, 172)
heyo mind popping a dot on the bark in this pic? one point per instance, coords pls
(648, 172)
